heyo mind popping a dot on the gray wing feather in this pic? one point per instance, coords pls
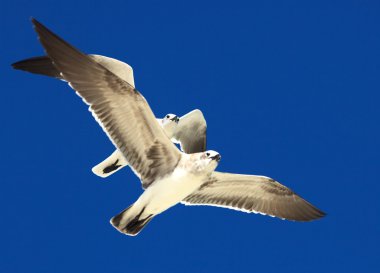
(120, 109)
(191, 132)
(251, 193)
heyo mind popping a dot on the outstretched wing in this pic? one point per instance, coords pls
(251, 193)
(120, 109)
(43, 65)
(191, 132)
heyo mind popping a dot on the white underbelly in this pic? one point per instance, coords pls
(167, 192)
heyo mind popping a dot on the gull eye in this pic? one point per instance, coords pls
(208, 154)
(167, 116)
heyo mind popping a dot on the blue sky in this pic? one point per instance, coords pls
(289, 90)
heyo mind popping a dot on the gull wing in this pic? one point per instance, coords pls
(191, 132)
(121, 110)
(251, 193)
(43, 65)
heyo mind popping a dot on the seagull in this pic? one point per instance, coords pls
(168, 175)
(189, 131)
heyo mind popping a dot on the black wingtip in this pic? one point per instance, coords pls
(318, 214)
(48, 37)
(37, 25)
(40, 28)
(18, 65)
(33, 20)
(40, 65)
(323, 214)
(14, 65)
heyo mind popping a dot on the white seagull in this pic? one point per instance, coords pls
(189, 130)
(167, 175)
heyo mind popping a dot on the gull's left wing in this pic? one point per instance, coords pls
(252, 193)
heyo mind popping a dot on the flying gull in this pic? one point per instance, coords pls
(168, 175)
(189, 131)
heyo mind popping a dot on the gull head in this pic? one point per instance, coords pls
(205, 161)
(169, 124)
(170, 118)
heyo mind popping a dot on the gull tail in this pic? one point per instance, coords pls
(131, 220)
(41, 65)
(110, 165)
